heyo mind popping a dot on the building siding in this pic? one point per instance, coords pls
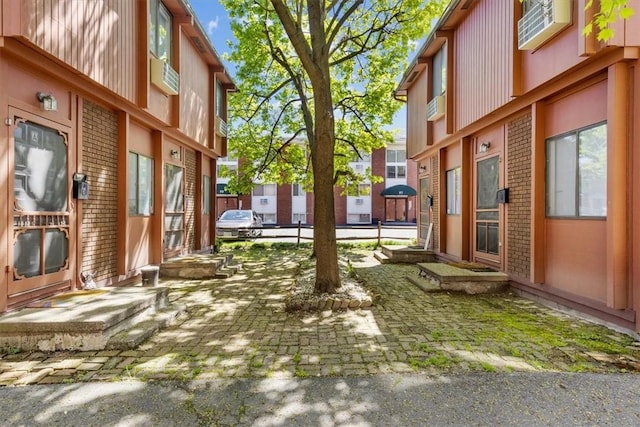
(99, 213)
(519, 207)
(482, 61)
(94, 37)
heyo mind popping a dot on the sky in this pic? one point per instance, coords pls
(215, 21)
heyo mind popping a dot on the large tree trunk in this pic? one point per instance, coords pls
(324, 217)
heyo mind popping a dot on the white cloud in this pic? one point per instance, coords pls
(212, 25)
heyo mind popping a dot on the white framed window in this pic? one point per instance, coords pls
(396, 156)
(453, 192)
(264, 190)
(359, 218)
(299, 217)
(439, 73)
(206, 195)
(396, 171)
(362, 190)
(160, 27)
(268, 218)
(577, 173)
(297, 190)
(140, 184)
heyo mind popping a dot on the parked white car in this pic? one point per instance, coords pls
(238, 224)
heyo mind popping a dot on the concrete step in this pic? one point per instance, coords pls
(381, 257)
(194, 267)
(455, 278)
(228, 270)
(86, 325)
(407, 254)
(425, 284)
(144, 328)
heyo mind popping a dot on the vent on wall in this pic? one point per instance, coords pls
(435, 108)
(221, 127)
(543, 20)
(164, 77)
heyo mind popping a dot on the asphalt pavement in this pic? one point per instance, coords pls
(517, 399)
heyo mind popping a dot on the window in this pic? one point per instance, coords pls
(140, 184)
(206, 195)
(439, 75)
(577, 173)
(226, 171)
(396, 156)
(299, 218)
(453, 192)
(268, 218)
(297, 190)
(160, 37)
(396, 172)
(264, 190)
(219, 99)
(362, 190)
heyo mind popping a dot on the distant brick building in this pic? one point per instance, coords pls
(290, 204)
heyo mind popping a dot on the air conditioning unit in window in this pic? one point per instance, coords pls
(543, 20)
(221, 127)
(435, 108)
(164, 77)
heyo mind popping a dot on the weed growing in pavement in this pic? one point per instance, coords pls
(297, 358)
(301, 373)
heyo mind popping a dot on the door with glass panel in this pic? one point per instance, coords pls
(173, 211)
(40, 208)
(487, 229)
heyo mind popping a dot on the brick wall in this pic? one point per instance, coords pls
(99, 213)
(519, 207)
(437, 191)
(378, 168)
(190, 194)
(284, 203)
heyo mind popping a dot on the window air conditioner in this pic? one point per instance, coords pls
(164, 77)
(542, 21)
(435, 108)
(221, 127)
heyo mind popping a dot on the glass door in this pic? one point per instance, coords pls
(40, 208)
(487, 214)
(173, 211)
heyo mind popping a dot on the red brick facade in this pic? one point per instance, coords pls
(190, 194)
(99, 213)
(519, 212)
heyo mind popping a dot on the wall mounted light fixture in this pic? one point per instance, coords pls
(484, 147)
(47, 101)
(423, 169)
(175, 154)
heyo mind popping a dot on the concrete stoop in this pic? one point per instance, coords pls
(404, 254)
(92, 324)
(446, 277)
(199, 266)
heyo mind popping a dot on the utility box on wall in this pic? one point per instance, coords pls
(80, 186)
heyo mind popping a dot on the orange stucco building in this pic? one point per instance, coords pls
(526, 133)
(114, 113)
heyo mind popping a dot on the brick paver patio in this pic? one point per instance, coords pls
(237, 327)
